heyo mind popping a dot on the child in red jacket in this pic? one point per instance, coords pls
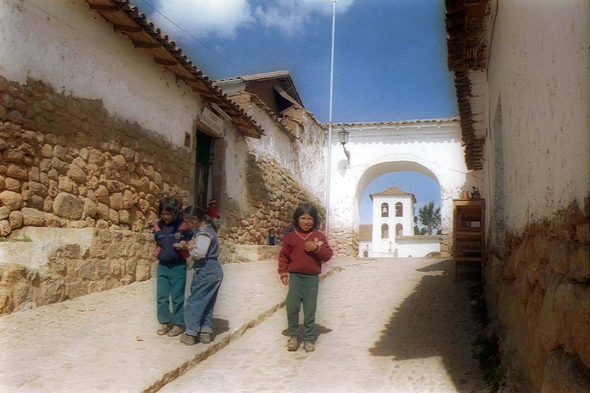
(300, 263)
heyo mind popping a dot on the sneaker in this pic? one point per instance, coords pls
(165, 328)
(308, 346)
(205, 338)
(175, 331)
(292, 344)
(188, 339)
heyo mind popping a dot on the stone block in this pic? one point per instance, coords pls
(76, 289)
(48, 204)
(77, 174)
(144, 184)
(103, 211)
(90, 208)
(59, 165)
(124, 217)
(11, 199)
(47, 151)
(95, 157)
(17, 171)
(16, 219)
(4, 212)
(116, 201)
(102, 194)
(120, 162)
(68, 206)
(115, 186)
(113, 216)
(13, 155)
(65, 184)
(38, 189)
(11, 184)
(33, 217)
(5, 228)
(22, 295)
(34, 174)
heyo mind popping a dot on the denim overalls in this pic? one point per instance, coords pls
(198, 309)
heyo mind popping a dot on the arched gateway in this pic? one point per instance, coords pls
(432, 147)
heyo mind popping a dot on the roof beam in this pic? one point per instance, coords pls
(104, 8)
(165, 62)
(128, 29)
(146, 45)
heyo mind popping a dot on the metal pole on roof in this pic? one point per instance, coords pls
(329, 163)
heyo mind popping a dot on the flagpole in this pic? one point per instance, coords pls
(329, 158)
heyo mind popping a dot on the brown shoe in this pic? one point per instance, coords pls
(292, 344)
(175, 331)
(308, 346)
(165, 328)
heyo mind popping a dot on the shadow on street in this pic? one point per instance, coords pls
(435, 321)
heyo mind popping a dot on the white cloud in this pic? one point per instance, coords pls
(291, 16)
(206, 17)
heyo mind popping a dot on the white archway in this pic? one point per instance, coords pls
(431, 147)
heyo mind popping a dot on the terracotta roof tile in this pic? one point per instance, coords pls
(394, 191)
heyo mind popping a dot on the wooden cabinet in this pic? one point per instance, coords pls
(468, 232)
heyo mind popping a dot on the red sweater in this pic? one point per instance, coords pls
(294, 259)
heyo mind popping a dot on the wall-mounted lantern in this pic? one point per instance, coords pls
(343, 136)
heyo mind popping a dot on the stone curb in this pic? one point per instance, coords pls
(226, 340)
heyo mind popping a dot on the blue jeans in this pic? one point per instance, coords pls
(198, 309)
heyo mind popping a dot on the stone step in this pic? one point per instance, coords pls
(107, 341)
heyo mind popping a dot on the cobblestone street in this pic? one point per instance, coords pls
(388, 325)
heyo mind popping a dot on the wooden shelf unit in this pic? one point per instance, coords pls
(468, 232)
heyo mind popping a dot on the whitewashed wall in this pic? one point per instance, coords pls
(540, 72)
(79, 53)
(430, 147)
(417, 247)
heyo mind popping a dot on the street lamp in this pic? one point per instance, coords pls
(343, 136)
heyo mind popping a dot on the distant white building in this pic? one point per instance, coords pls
(392, 232)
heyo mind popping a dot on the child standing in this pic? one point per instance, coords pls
(300, 260)
(271, 238)
(198, 313)
(171, 274)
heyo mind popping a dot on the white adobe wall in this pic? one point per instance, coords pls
(79, 53)
(417, 247)
(540, 71)
(304, 157)
(432, 148)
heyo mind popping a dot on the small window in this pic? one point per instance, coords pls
(399, 209)
(384, 231)
(399, 230)
(384, 210)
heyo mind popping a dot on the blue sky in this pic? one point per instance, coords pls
(390, 57)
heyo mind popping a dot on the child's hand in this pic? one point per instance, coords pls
(180, 245)
(310, 246)
(285, 280)
(318, 242)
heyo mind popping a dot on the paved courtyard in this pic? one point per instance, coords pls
(388, 325)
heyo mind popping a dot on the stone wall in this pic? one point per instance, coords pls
(273, 194)
(344, 242)
(65, 162)
(539, 295)
(114, 258)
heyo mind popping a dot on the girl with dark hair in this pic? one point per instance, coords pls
(171, 274)
(198, 312)
(300, 263)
